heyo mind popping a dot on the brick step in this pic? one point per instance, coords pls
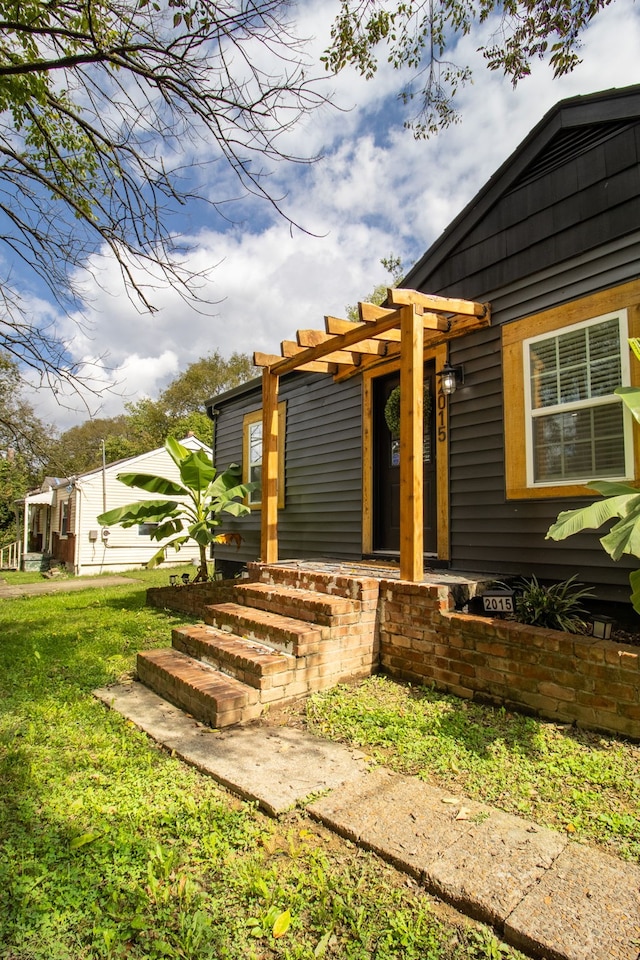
(299, 603)
(198, 688)
(362, 589)
(249, 661)
(286, 634)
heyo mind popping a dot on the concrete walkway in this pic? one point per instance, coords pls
(546, 895)
(11, 591)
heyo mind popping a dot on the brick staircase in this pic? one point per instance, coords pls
(286, 632)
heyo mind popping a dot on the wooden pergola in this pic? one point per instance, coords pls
(402, 330)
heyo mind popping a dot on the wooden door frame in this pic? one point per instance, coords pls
(439, 355)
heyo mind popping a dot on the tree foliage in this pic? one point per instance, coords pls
(178, 411)
(418, 37)
(207, 494)
(107, 109)
(24, 442)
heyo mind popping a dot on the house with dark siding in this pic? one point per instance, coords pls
(551, 246)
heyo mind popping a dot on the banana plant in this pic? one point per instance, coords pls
(204, 495)
(621, 502)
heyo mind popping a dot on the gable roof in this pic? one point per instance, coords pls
(572, 129)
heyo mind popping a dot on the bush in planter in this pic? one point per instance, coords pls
(558, 607)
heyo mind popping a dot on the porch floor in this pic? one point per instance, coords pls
(385, 570)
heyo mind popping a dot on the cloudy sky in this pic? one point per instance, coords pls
(376, 191)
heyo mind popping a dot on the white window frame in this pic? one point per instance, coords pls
(531, 414)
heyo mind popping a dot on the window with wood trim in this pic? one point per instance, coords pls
(577, 428)
(252, 454)
(564, 425)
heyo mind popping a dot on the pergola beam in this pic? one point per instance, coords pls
(346, 340)
(343, 357)
(334, 325)
(271, 359)
(398, 297)
(311, 338)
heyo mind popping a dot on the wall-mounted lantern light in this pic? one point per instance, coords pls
(451, 378)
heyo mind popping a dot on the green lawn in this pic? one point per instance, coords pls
(583, 783)
(110, 848)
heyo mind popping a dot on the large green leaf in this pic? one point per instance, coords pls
(236, 508)
(631, 397)
(145, 511)
(570, 522)
(197, 471)
(611, 488)
(146, 481)
(624, 536)
(634, 580)
(175, 450)
(159, 557)
(226, 482)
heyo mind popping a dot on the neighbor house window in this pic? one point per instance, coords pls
(577, 428)
(64, 518)
(563, 423)
(252, 454)
(146, 529)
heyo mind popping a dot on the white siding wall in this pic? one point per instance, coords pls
(125, 549)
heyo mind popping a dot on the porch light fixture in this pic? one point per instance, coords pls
(602, 627)
(451, 378)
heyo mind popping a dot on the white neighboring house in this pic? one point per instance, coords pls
(66, 514)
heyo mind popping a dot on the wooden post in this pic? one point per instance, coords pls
(269, 518)
(411, 442)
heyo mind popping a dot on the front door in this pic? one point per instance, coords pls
(386, 463)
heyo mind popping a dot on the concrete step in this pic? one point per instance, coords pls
(198, 688)
(286, 634)
(362, 589)
(299, 603)
(249, 661)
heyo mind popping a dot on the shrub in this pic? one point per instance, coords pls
(558, 607)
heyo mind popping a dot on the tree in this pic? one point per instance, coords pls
(203, 379)
(378, 295)
(24, 444)
(417, 36)
(107, 107)
(207, 495)
(178, 411)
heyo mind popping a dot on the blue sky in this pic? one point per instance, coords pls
(375, 191)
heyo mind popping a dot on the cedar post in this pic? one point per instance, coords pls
(269, 517)
(411, 443)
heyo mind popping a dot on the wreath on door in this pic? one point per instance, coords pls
(392, 409)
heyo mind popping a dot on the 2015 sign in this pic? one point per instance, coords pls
(498, 602)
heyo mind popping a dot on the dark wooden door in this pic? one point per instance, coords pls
(386, 467)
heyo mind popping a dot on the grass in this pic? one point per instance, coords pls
(585, 784)
(110, 848)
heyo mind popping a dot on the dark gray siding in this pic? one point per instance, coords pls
(569, 188)
(323, 469)
(489, 533)
(562, 213)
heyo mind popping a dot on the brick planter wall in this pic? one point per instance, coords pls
(192, 598)
(562, 676)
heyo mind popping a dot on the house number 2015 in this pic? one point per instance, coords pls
(441, 416)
